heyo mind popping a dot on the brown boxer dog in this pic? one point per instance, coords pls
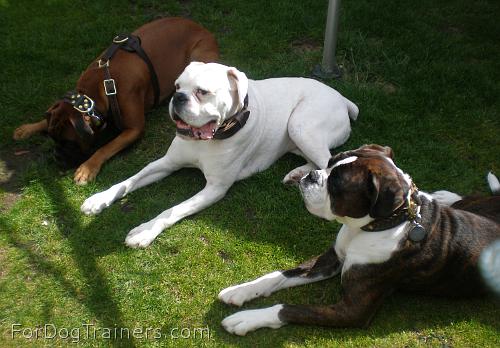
(116, 90)
(393, 237)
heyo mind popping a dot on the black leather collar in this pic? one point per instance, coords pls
(409, 211)
(229, 127)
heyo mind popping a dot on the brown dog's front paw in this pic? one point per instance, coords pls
(86, 173)
(23, 132)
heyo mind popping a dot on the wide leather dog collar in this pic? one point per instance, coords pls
(409, 211)
(229, 127)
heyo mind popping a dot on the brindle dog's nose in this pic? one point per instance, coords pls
(180, 98)
(314, 176)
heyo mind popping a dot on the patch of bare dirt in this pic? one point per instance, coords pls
(304, 45)
(13, 161)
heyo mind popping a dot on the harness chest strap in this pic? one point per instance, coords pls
(129, 43)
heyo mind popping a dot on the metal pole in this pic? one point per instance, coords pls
(329, 67)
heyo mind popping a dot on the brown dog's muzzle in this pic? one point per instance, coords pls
(68, 154)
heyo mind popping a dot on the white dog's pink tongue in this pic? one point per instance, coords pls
(204, 132)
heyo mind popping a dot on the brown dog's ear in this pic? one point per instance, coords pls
(387, 195)
(53, 116)
(82, 128)
(240, 80)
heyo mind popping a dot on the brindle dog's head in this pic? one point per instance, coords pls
(362, 183)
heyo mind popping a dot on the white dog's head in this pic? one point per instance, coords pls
(205, 96)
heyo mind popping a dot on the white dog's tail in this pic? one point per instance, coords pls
(352, 109)
(493, 183)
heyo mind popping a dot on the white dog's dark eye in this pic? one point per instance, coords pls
(177, 86)
(201, 91)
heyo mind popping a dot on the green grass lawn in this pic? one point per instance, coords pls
(425, 75)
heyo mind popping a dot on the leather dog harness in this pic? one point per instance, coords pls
(409, 211)
(86, 106)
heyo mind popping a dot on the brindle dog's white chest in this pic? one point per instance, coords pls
(356, 247)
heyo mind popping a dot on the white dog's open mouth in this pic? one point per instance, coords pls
(204, 132)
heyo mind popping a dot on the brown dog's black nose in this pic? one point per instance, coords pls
(180, 98)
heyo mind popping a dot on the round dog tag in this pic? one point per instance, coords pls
(417, 233)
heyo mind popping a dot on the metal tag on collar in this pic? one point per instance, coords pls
(417, 232)
(82, 103)
(109, 87)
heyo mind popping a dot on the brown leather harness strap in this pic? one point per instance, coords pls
(129, 43)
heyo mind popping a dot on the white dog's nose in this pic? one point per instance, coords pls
(180, 98)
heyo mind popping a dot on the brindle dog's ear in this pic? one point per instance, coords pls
(385, 150)
(387, 195)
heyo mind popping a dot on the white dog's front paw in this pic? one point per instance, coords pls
(96, 203)
(264, 286)
(143, 235)
(245, 321)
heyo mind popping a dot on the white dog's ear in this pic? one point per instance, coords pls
(240, 80)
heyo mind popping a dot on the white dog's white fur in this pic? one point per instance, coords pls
(297, 115)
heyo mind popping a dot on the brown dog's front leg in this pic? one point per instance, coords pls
(90, 168)
(26, 130)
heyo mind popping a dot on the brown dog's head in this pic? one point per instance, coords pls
(74, 134)
(362, 184)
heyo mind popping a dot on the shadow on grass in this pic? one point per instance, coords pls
(96, 296)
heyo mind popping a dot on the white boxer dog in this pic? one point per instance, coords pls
(230, 128)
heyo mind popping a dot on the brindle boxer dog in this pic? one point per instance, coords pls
(170, 44)
(393, 237)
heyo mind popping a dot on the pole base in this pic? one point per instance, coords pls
(324, 74)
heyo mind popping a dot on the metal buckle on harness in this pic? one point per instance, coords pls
(109, 87)
(118, 39)
(102, 64)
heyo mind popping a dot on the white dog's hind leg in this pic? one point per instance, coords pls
(144, 234)
(445, 197)
(317, 126)
(154, 171)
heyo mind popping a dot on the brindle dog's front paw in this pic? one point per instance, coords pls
(86, 173)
